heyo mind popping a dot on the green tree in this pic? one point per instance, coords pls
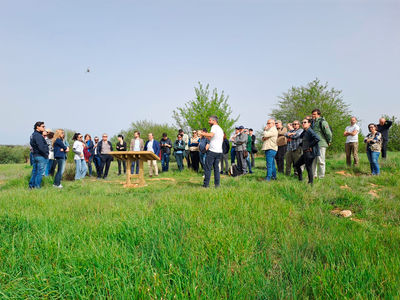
(298, 102)
(394, 134)
(145, 127)
(194, 114)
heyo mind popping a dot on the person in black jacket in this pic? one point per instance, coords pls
(103, 148)
(121, 146)
(310, 150)
(40, 152)
(383, 128)
(166, 145)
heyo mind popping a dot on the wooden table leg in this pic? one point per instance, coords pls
(141, 173)
(128, 172)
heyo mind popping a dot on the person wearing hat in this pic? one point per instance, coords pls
(241, 150)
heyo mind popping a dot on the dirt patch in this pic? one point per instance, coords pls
(343, 173)
(373, 193)
(341, 213)
(357, 220)
(159, 179)
(345, 187)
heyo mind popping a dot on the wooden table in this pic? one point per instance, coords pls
(129, 157)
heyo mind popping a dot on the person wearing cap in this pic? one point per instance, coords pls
(233, 145)
(241, 149)
(282, 146)
(40, 153)
(270, 136)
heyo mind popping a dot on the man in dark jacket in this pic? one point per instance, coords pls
(165, 145)
(383, 128)
(40, 152)
(310, 151)
(103, 148)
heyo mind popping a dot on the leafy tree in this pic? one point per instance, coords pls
(298, 102)
(14, 154)
(145, 127)
(194, 114)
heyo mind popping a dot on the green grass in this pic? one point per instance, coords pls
(248, 239)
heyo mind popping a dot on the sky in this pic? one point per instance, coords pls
(146, 57)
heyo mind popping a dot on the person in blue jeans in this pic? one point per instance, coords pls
(60, 154)
(179, 151)
(40, 152)
(270, 136)
(165, 145)
(80, 164)
(374, 147)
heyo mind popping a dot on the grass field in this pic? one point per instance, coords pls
(174, 239)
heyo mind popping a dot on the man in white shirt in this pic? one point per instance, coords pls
(214, 153)
(351, 134)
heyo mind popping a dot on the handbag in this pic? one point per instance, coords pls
(245, 153)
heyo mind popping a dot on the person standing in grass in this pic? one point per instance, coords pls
(383, 128)
(321, 127)
(204, 145)
(90, 152)
(179, 150)
(137, 144)
(351, 146)
(96, 156)
(194, 151)
(165, 145)
(374, 146)
(214, 152)
(40, 153)
(79, 158)
(294, 150)
(225, 156)
(186, 154)
(248, 149)
(310, 148)
(270, 136)
(241, 150)
(253, 147)
(60, 156)
(233, 146)
(153, 146)
(51, 163)
(104, 147)
(282, 146)
(121, 146)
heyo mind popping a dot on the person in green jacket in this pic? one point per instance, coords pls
(248, 148)
(320, 127)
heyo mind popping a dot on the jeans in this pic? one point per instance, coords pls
(89, 164)
(135, 162)
(105, 164)
(308, 160)
(97, 164)
(203, 160)
(373, 161)
(179, 160)
(165, 162)
(39, 166)
(233, 155)
(49, 167)
(80, 169)
(212, 161)
(249, 163)
(271, 169)
(60, 162)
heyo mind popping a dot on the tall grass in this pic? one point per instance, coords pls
(174, 239)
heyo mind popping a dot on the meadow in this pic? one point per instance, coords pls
(249, 239)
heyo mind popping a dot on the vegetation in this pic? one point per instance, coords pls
(14, 154)
(174, 239)
(194, 114)
(298, 102)
(394, 134)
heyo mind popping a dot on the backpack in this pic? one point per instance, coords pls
(323, 129)
(203, 145)
(233, 170)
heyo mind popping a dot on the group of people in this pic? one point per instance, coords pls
(302, 145)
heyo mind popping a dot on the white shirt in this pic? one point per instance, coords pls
(137, 145)
(350, 138)
(150, 146)
(78, 146)
(217, 140)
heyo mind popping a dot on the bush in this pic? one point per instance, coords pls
(14, 154)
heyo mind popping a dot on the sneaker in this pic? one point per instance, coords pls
(58, 186)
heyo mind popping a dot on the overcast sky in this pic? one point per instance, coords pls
(146, 57)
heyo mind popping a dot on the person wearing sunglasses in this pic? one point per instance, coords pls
(374, 147)
(79, 158)
(294, 150)
(310, 149)
(40, 154)
(104, 147)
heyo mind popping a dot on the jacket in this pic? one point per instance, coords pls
(141, 144)
(325, 134)
(310, 139)
(179, 146)
(156, 147)
(100, 144)
(384, 129)
(120, 147)
(376, 144)
(165, 149)
(241, 141)
(225, 146)
(281, 141)
(90, 147)
(271, 136)
(39, 145)
(58, 145)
